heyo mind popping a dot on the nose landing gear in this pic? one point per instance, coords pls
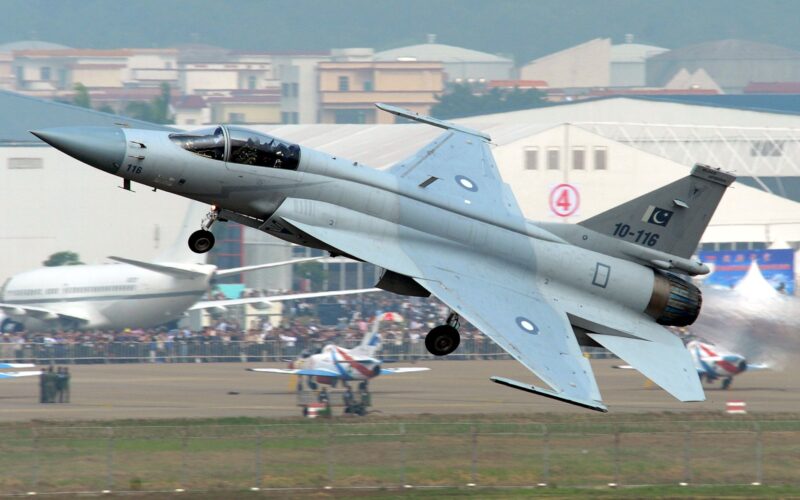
(444, 339)
(202, 240)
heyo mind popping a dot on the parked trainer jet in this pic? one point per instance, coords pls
(18, 374)
(443, 222)
(332, 363)
(714, 363)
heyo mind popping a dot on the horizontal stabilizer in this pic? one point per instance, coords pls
(404, 113)
(662, 358)
(16, 365)
(592, 405)
(160, 268)
(410, 369)
(31, 373)
(309, 373)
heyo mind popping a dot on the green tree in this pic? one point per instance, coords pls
(464, 100)
(64, 258)
(155, 111)
(81, 97)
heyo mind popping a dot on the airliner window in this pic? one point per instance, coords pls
(252, 148)
(208, 142)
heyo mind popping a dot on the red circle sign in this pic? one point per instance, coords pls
(564, 200)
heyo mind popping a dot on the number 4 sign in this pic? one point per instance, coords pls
(564, 200)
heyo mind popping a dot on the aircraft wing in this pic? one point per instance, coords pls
(393, 371)
(4, 366)
(211, 304)
(31, 373)
(536, 333)
(754, 367)
(298, 371)
(236, 270)
(38, 312)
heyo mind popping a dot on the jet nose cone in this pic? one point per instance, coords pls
(100, 147)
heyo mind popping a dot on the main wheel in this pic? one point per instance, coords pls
(201, 241)
(442, 340)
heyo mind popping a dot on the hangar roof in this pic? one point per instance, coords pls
(729, 49)
(24, 113)
(440, 52)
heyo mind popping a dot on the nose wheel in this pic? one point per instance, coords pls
(202, 240)
(444, 339)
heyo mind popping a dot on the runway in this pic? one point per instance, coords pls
(103, 392)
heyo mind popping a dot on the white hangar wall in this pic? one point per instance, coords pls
(51, 202)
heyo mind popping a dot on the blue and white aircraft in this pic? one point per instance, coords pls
(18, 374)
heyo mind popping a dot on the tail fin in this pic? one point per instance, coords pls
(671, 219)
(372, 339)
(178, 252)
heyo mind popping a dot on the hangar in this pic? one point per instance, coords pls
(610, 149)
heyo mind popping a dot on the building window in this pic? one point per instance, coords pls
(294, 89)
(344, 83)
(350, 116)
(295, 116)
(284, 117)
(44, 73)
(284, 90)
(531, 158)
(20, 74)
(251, 82)
(25, 163)
(62, 78)
(578, 159)
(369, 86)
(553, 162)
(600, 158)
(237, 118)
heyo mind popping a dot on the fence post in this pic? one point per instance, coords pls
(759, 454)
(617, 466)
(258, 465)
(687, 454)
(403, 454)
(474, 468)
(184, 450)
(546, 455)
(110, 459)
(330, 455)
(37, 458)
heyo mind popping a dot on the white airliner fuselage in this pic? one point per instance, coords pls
(104, 296)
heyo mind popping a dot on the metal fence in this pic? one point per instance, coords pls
(203, 351)
(321, 454)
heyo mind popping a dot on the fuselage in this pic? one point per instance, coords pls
(347, 363)
(320, 187)
(265, 182)
(111, 296)
(715, 363)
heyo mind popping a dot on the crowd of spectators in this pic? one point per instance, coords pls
(304, 324)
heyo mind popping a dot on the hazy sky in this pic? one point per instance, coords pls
(522, 28)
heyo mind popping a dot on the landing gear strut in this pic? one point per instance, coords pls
(202, 240)
(444, 339)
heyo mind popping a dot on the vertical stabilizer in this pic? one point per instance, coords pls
(372, 339)
(670, 219)
(178, 252)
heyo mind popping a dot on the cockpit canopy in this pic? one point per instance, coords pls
(239, 145)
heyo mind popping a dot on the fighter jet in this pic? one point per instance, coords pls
(715, 363)
(442, 222)
(332, 364)
(17, 374)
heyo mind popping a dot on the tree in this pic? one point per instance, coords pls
(64, 258)
(155, 111)
(463, 100)
(81, 97)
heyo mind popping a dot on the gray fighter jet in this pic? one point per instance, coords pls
(442, 222)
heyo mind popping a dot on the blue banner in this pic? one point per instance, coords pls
(730, 266)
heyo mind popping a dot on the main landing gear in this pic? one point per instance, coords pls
(444, 339)
(202, 240)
